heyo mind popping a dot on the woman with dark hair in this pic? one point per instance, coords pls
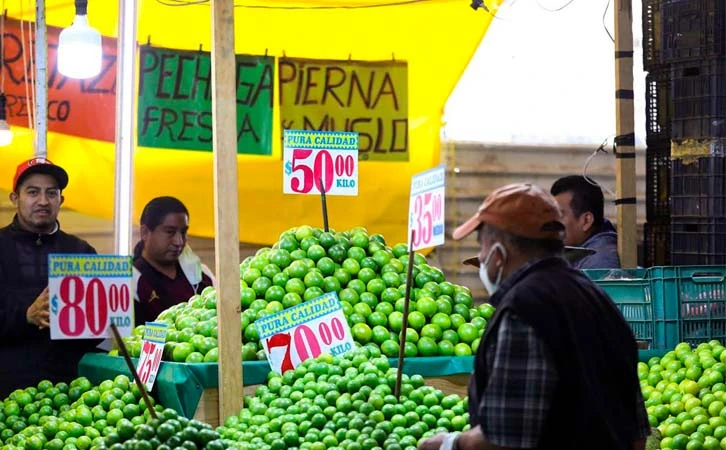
(166, 271)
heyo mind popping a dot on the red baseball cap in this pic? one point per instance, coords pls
(523, 210)
(40, 165)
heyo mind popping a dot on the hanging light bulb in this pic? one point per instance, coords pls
(6, 134)
(79, 47)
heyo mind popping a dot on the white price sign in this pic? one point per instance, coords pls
(426, 209)
(305, 331)
(320, 160)
(87, 294)
(151, 352)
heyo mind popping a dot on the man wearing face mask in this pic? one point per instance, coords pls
(556, 367)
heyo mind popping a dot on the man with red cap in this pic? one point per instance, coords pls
(26, 350)
(556, 368)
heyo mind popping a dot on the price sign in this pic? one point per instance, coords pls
(151, 352)
(426, 209)
(88, 293)
(305, 331)
(312, 157)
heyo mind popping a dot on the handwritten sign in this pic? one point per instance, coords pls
(151, 352)
(85, 108)
(314, 157)
(87, 294)
(305, 331)
(426, 209)
(370, 98)
(175, 101)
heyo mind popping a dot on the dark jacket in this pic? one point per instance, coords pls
(27, 353)
(156, 292)
(605, 243)
(596, 403)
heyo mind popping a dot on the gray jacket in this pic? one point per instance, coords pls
(605, 242)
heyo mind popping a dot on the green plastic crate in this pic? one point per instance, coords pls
(631, 292)
(694, 294)
(666, 305)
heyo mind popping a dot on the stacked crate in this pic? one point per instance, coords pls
(686, 42)
(658, 110)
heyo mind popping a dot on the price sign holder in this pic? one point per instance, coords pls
(89, 292)
(152, 350)
(426, 209)
(305, 331)
(325, 206)
(132, 369)
(404, 323)
(425, 229)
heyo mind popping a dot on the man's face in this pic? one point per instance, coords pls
(165, 243)
(38, 200)
(576, 228)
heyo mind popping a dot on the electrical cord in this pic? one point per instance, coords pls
(176, 3)
(607, 30)
(539, 3)
(600, 149)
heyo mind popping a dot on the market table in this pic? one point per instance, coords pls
(191, 389)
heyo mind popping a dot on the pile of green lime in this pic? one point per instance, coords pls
(168, 431)
(685, 396)
(370, 280)
(343, 402)
(70, 416)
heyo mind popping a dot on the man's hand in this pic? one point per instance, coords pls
(433, 443)
(39, 312)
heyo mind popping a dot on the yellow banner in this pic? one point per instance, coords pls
(370, 98)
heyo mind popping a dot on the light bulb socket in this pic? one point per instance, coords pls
(3, 103)
(81, 7)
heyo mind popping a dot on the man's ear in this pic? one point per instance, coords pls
(14, 198)
(587, 221)
(62, 199)
(144, 232)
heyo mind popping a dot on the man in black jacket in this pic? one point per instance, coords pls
(556, 367)
(26, 351)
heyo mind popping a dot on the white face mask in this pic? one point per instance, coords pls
(492, 286)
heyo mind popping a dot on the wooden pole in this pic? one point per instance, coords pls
(625, 135)
(226, 205)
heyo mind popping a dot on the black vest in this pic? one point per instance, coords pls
(594, 351)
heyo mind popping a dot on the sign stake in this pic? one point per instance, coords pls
(404, 325)
(130, 363)
(324, 202)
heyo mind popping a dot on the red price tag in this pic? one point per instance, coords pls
(151, 352)
(320, 161)
(426, 209)
(88, 293)
(305, 331)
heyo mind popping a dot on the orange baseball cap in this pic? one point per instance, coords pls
(40, 165)
(523, 210)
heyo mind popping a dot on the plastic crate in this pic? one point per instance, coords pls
(652, 34)
(630, 290)
(658, 105)
(698, 241)
(699, 295)
(698, 92)
(657, 242)
(666, 305)
(698, 187)
(657, 179)
(692, 30)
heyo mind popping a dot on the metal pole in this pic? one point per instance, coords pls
(41, 81)
(125, 103)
